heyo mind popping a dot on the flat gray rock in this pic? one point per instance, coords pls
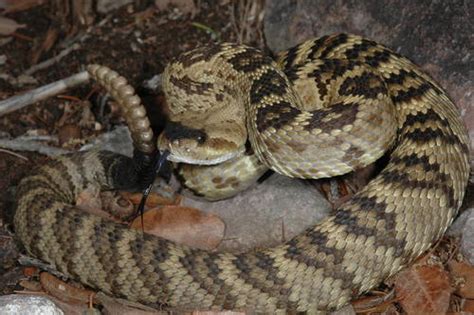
(266, 214)
(15, 304)
(463, 227)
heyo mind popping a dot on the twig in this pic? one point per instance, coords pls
(35, 146)
(14, 154)
(22, 36)
(19, 101)
(55, 59)
(214, 35)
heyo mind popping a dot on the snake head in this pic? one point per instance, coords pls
(196, 146)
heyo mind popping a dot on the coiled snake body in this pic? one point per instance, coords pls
(387, 224)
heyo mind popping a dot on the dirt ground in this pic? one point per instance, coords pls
(137, 42)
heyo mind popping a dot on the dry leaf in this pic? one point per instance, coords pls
(464, 272)
(468, 307)
(73, 309)
(154, 200)
(423, 290)
(30, 271)
(9, 26)
(183, 225)
(31, 285)
(68, 132)
(64, 291)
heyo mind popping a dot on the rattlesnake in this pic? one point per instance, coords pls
(382, 228)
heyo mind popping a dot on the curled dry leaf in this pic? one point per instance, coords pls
(183, 225)
(65, 292)
(464, 274)
(9, 26)
(423, 290)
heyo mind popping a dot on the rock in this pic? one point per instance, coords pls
(467, 239)
(434, 34)
(23, 304)
(346, 310)
(456, 229)
(463, 227)
(266, 214)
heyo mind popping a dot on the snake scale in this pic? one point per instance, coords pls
(381, 229)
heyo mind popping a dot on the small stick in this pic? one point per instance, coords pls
(52, 61)
(14, 154)
(19, 101)
(25, 145)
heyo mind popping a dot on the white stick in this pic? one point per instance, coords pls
(19, 101)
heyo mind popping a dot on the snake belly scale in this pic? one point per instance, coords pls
(382, 228)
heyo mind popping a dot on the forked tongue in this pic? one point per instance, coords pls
(158, 163)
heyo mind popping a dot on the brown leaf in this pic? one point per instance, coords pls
(463, 307)
(183, 225)
(468, 307)
(68, 132)
(423, 290)
(64, 291)
(73, 309)
(154, 200)
(9, 26)
(31, 285)
(464, 274)
(30, 271)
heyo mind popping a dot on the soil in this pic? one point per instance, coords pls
(137, 43)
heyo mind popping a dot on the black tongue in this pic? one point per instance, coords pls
(158, 162)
